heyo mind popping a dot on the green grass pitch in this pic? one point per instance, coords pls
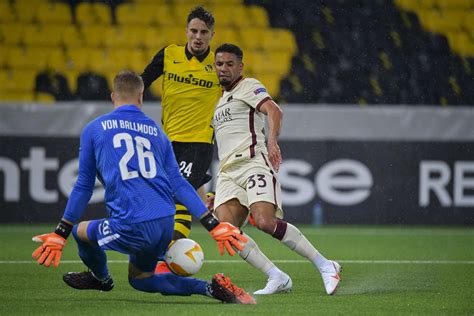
(386, 271)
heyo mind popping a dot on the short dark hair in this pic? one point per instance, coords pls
(202, 14)
(230, 48)
(127, 84)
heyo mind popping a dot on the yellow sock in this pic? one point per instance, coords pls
(182, 222)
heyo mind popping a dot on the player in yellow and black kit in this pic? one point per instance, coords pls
(189, 94)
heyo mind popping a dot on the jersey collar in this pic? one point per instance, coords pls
(128, 107)
(201, 57)
(232, 86)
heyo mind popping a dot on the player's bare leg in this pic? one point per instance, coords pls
(278, 281)
(265, 220)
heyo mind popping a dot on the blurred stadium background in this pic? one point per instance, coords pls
(378, 97)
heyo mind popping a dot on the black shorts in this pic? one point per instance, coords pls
(194, 160)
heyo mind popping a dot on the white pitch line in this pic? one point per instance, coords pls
(468, 262)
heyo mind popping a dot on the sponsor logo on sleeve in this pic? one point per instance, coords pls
(259, 90)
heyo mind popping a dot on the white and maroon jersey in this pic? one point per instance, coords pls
(238, 123)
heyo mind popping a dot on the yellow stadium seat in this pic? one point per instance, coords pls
(12, 33)
(71, 76)
(252, 38)
(271, 82)
(161, 14)
(56, 59)
(180, 13)
(54, 12)
(94, 35)
(134, 14)
(114, 37)
(132, 59)
(71, 36)
(434, 21)
(280, 40)
(225, 35)
(227, 2)
(461, 43)
(269, 62)
(4, 55)
(78, 59)
(26, 11)
(408, 5)
(455, 4)
(24, 96)
(241, 17)
(17, 80)
(42, 35)
(224, 16)
(258, 16)
(153, 39)
(173, 35)
(100, 61)
(93, 13)
(7, 13)
(27, 58)
(468, 24)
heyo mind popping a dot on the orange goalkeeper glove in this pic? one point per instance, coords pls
(50, 250)
(228, 236)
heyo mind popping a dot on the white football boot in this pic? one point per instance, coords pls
(331, 277)
(279, 284)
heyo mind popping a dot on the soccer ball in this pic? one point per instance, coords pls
(184, 257)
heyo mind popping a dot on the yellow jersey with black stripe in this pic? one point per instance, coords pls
(189, 94)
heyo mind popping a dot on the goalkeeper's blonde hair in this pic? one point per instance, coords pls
(127, 85)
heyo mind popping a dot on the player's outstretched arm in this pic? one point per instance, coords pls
(225, 234)
(52, 244)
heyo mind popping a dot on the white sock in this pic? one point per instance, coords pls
(297, 242)
(256, 258)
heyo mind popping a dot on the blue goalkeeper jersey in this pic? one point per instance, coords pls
(134, 160)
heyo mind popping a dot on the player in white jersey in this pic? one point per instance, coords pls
(247, 171)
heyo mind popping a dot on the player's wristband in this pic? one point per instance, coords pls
(209, 221)
(63, 229)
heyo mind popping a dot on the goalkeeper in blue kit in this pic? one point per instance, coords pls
(134, 160)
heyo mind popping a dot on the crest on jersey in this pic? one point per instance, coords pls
(209, 68)
(259, 90)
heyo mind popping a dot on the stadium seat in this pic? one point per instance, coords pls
(7, 13)
(252, 38)
(94, 35)
(17, 80)
(93, 14)
(71, 37)
(78, 59)
(131, 14)
(26, 11)
(153, 39)
(258, 16)
(454, 4)
(164, 15)
(42, 35)
(225, 16)
(27, 58)
(271, 82)
(54, 12)
(279, 40)
(12, 33)
(225, 35)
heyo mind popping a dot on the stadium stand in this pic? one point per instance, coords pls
(333, 51)
(378, 52)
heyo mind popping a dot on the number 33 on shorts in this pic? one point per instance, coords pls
(261, 187)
